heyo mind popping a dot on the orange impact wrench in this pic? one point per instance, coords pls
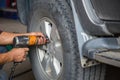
(24, 41)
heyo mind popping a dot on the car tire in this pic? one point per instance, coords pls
(59, 14)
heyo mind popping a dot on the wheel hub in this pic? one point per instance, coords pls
(51, 55)
(51, 49)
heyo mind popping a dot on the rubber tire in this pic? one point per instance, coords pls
(60, 13)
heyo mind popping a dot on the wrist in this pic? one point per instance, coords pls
(9, 57)
(5, 58)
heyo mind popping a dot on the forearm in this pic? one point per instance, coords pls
(14, 55)
(4, 58)
(7, 38)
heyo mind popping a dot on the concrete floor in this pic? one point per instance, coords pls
(16, 26)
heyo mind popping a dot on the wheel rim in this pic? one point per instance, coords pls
(50, 55)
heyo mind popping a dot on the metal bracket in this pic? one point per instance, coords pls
(82, 38)
(105, 50)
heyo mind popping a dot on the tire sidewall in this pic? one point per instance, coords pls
(52, 12)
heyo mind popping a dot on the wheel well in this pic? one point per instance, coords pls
(23, 7)
(23, 10)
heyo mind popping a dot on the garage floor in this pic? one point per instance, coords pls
(16, 26)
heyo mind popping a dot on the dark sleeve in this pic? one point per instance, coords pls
(1, 31)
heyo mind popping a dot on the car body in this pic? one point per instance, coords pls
(97, 25)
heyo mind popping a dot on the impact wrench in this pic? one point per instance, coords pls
(22, 42)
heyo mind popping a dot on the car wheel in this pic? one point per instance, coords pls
(59, 59)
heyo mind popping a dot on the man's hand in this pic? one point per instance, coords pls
(18, 54)
(41, 37)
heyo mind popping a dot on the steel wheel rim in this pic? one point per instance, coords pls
(50, 55)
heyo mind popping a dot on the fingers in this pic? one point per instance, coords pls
(41, 37)
(19, 54)
(25, 54)
(26, 49)
(40, 34)
(20, 58)
(37, 34)
(41, 40)
(24, 59)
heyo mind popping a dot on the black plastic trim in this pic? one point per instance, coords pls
(101, 45)
(96, 28)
